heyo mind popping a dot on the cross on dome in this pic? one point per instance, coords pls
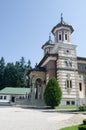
(61, 17)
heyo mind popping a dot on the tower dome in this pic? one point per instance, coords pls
(62, 31)
(47, 47)
(49, 41)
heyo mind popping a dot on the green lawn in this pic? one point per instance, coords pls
(65, 107)
(70, 128)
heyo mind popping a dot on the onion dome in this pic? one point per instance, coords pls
(49, 42)
(48, 46)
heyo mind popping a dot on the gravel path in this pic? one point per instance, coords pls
(13, 118)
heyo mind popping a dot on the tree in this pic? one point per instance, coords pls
(27, 78)
(20, 68)
(22, 62)
(10, 77)
(53, 93)
(2, 67)
(29, 65)
(14, 75)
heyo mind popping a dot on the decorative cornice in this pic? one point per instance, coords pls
(67, 69)
(66, 57)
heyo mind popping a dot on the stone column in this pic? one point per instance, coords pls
(33, 91)
(44, 86)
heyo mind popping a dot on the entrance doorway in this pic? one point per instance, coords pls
(13, 99)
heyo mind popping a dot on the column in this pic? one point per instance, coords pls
(33, 91)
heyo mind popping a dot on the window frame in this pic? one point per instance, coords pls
(65, 36)
(1, 97)
(5, 97)
(80, 86)
(60, 36)
(69, 84)
(68, 63)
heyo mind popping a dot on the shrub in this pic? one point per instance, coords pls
(82, 127)
(82, 108)
(84, 121)
(53, 93)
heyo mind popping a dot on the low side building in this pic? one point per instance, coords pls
(10, 94)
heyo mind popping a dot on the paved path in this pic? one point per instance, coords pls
(13, 118)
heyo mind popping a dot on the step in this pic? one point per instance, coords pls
(33, 102)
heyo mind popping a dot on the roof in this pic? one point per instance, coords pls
(62, 23)
(11, 90)
(81, 58)
(45, 57)
(49, 42)
(38, 68)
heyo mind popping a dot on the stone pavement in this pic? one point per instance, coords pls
(14, 118)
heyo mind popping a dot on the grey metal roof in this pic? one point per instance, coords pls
(62, 23)
(49, 42)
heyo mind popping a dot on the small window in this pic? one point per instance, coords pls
(72, 102)
(80, 86)
(70, 84)
(4, 97)
(60, 37)
(70, 63)
(47, 50)
(1, 97)
(66, 62)
(67, 51)
(67, 102)
(67, 83)
(65, 36)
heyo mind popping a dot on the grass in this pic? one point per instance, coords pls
(70, 128)
(66, 107)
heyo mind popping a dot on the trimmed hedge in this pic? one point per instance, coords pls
(84, 121)
(82, 108)
(82, 126)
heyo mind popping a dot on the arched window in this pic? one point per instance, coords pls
(65, 36)
(60, 36)
(69, 83)
(80, 86)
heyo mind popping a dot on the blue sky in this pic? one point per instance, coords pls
(25, 26)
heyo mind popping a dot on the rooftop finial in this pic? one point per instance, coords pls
(50, 36)
(61, 17)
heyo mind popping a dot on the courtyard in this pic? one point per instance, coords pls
(15, 118)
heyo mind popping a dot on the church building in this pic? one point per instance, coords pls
(60, 61)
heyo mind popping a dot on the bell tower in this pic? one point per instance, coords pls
(67, 73)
